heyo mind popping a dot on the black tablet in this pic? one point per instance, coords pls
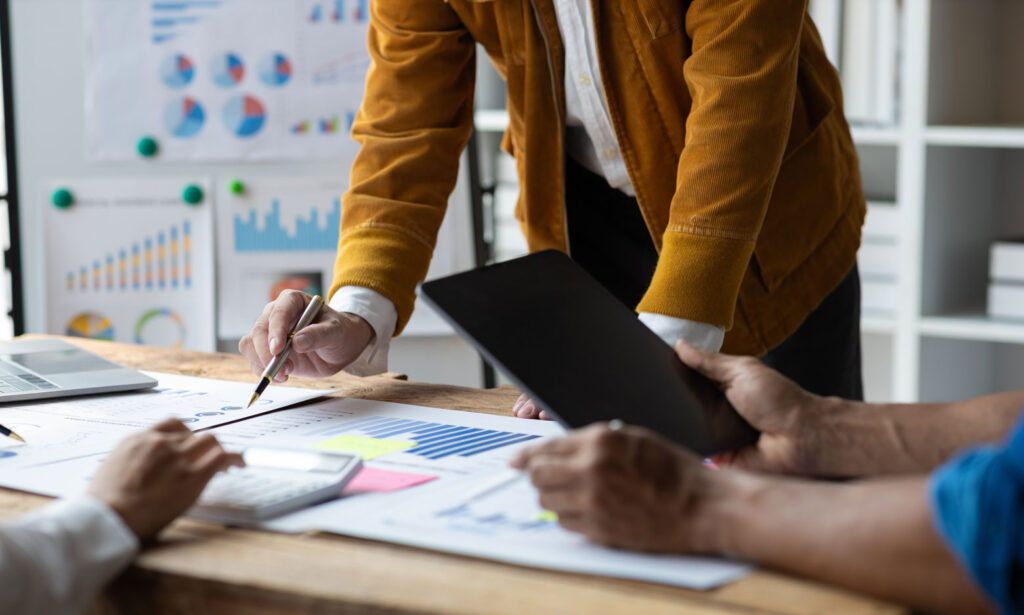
(581, 354)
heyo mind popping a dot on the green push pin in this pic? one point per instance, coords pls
(193, 194)
(147, 147)
(62, 198)
(236, 187)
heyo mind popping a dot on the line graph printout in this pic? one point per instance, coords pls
(282, 234)
(224, 79)
(130, 261)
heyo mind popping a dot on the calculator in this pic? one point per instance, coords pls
(274, 482)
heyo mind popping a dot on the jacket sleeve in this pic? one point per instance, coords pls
(742, 78)
(57, 559)
(415, 120)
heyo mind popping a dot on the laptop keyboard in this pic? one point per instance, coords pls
(21, 383)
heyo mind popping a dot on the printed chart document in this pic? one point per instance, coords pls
(77, 427)
(436, 479)
(461, 498)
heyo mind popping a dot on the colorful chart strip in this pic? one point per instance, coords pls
(433, 440)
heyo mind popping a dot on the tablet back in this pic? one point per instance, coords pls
(581, 354)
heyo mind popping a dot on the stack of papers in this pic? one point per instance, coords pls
(437, 479)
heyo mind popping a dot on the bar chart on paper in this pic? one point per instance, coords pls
(424, 438)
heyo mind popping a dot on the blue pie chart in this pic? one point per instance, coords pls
(177, 71)
(244, 115)
(184, 117)
(228, 70)
(275, 70)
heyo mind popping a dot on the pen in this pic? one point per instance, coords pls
(271, 370)
(10, 434)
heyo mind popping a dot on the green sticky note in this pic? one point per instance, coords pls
(547, 515)
(369, 448)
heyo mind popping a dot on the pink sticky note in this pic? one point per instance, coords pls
(372, 480)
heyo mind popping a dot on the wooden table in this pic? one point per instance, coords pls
(201, 568)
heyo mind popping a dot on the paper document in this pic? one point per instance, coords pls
(436, 479)
(476, 506)
(61, 433)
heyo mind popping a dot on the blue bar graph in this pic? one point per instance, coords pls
(433, 440)
(309, 234)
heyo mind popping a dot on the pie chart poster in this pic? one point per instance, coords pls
(131, 261)
(224, 79)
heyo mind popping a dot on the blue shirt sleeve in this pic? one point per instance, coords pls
(978, 506)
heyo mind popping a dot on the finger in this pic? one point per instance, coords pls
(552, 473)
(715, 366)
(171, 425)
(196, 447)
(574, 523)
(528, 409)
(558, 446)
(544, 416)
(568, 502)
(286, 312)
(213, 461)
(318, 336)
(519, 402)
(260, 342)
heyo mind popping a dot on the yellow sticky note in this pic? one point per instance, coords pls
(547, 515)
(369, 448)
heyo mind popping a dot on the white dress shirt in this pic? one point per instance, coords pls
(56, 559)
(590, 141)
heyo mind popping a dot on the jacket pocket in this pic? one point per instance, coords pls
(813, 189)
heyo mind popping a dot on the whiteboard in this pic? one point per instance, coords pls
(49, 83)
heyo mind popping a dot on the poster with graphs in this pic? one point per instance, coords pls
(224, 79)
(130, 261)
(277, 234)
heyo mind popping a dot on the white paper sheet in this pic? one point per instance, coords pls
(224, 79)
(131, 261)
(476, 506)
(57, 429)
(280, 234)
(416, 516)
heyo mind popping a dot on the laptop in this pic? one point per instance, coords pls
(40, 369)
(581, 354)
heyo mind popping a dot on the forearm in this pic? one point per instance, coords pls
(859, 439)
(875, 537)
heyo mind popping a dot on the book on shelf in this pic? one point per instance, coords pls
(869, 62)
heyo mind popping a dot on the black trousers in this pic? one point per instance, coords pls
(608, 237)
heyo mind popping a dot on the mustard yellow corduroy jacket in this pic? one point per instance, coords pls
(730, 123)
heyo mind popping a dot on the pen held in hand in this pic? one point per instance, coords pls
(308, 316)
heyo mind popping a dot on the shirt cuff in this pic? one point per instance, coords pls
(672, 329)
(380, 313)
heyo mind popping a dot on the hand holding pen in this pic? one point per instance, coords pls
(328, 344)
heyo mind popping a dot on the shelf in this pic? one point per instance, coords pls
(976, 136)
(863, 135)
(491, 120)
(973, 327)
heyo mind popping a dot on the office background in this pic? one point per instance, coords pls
(933, 92)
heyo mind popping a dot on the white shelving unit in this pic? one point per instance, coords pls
(954, 167)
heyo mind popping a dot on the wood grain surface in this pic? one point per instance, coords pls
(203, 568)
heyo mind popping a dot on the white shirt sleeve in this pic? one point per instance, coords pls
(671, 330)
(382, 316)
(58, 558)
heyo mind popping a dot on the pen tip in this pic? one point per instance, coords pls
(252, 400)
(17, 437)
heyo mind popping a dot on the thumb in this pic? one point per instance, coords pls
(318, 336)
(714, 365)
